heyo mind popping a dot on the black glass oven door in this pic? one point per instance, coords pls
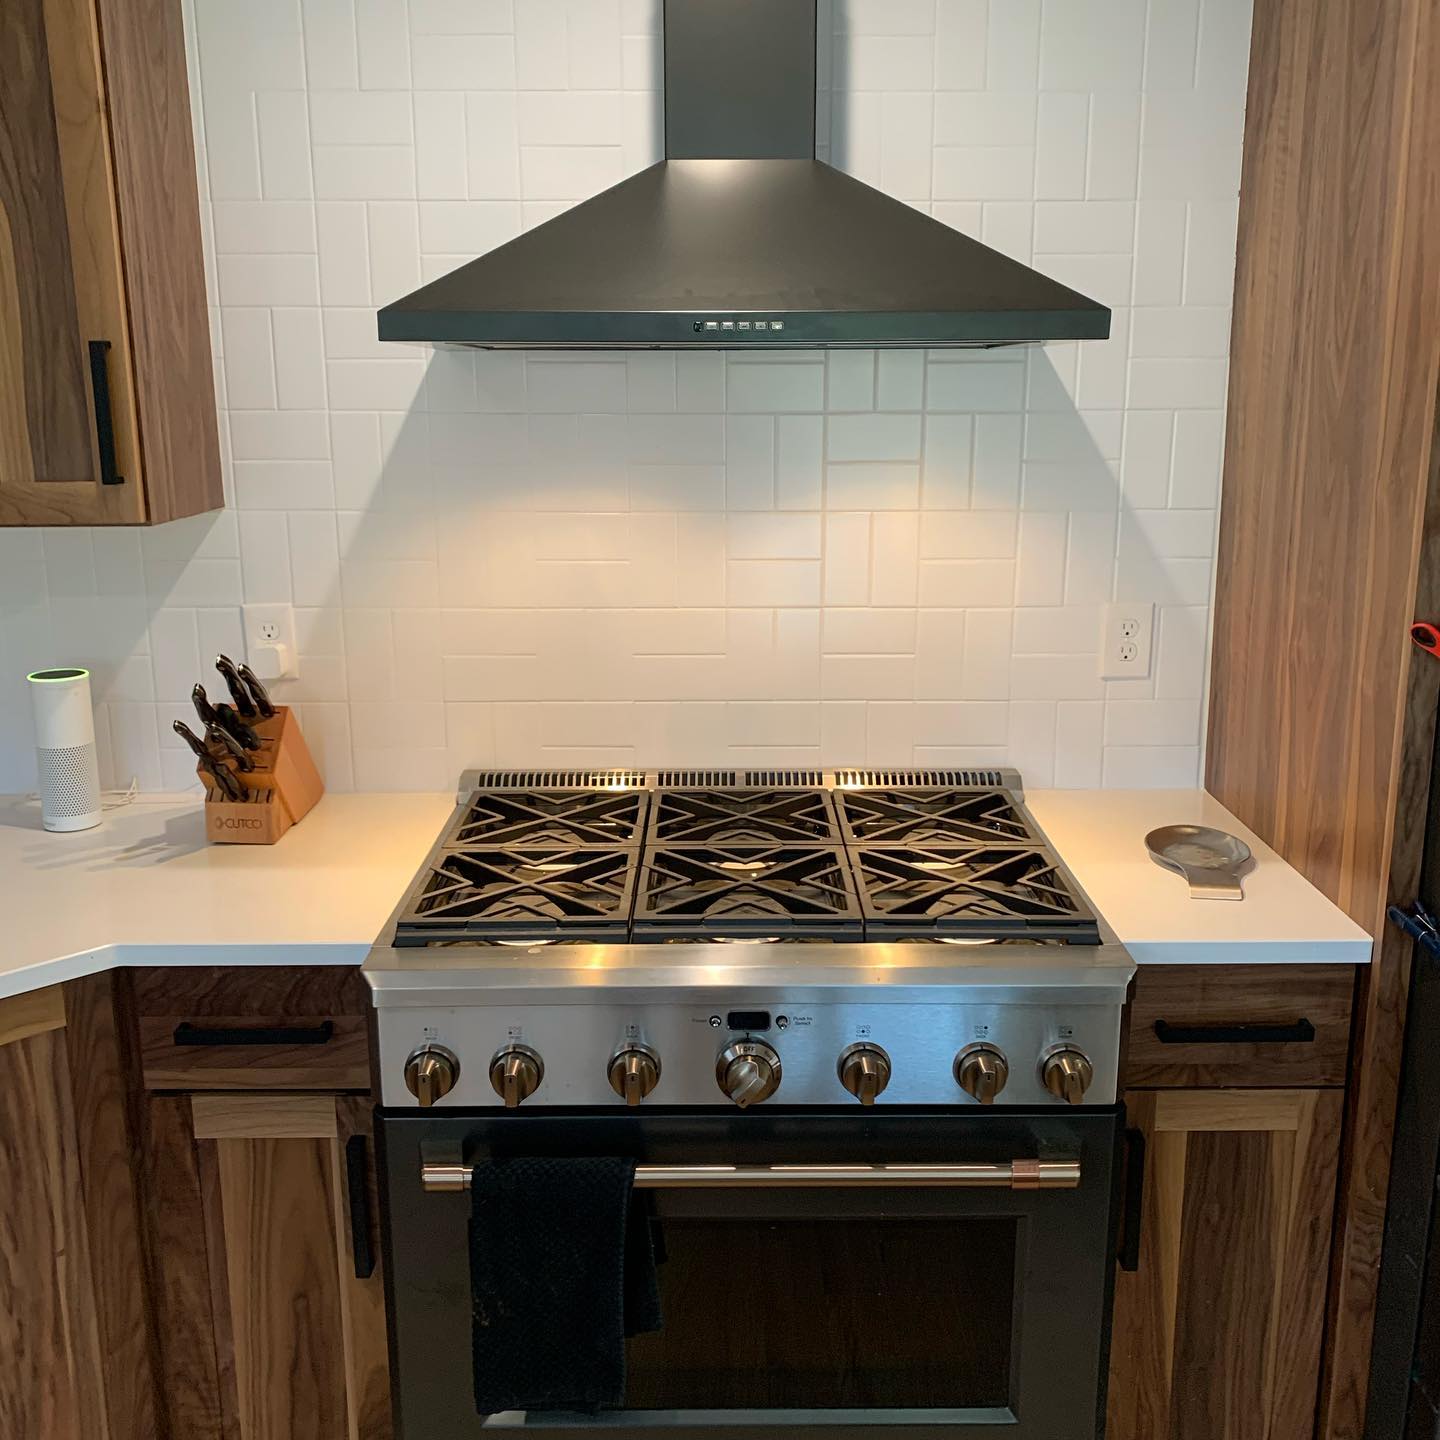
(867, 1310)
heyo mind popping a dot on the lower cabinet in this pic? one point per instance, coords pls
(269, 1298)
(51, 1385)
(1218, 1318)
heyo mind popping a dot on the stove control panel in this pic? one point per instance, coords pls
(708, 1054)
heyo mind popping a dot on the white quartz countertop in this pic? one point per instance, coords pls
(145, 888)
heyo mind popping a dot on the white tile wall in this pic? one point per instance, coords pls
(509, 559)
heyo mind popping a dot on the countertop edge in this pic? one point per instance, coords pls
(105, 958)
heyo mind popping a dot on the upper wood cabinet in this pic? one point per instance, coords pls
(107, 400)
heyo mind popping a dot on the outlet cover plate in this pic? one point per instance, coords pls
(1127, 639)
(271, 625)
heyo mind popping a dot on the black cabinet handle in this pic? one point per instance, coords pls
(104, 419)
(357, 1182)
(1302, 1032)
(1129, 1249)
(188, 1034)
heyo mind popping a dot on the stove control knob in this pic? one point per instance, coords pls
(981, 1072)
(748, 1071)
(516, 1073)
(431, 1073)
(634, 1072)
(1067, 1073)
(864, 1071)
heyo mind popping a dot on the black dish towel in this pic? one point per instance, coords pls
(562, 1269)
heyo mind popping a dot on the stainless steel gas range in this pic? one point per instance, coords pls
(859, 1031)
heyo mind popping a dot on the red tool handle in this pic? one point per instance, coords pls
(1426, 636)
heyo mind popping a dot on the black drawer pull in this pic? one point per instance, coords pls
(1129, 1249)
(357, 1182)
(188, 1034)
(104, 419)
(1302, 1032)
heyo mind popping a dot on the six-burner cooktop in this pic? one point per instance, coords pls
(949, 856)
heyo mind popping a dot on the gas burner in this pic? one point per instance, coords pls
(979, 892)
(710, 892)
(742, 817)
(527, 893)
(555, 817)
(931, 817)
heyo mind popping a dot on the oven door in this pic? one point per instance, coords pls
(852, 1302)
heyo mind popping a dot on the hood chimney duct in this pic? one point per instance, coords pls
(740, 79)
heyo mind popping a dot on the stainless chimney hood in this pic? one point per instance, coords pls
(740, 238)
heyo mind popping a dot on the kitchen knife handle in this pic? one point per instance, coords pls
(219, 736)
(357, 1183)
(1302, 1032)
(188, 1034)
(239, 694)
(203, 708)
(104, 415)
(228, 718)
(1128, 1252)
(259, 695)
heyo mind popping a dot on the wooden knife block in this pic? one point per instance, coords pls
(283, 786)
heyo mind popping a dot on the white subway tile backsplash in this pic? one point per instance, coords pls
(682, 558)
(752, 385)
(383, 33)
(344, 250)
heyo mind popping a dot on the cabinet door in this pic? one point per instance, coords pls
(268, 1328)
(50, 1379)
(1217, 1329)
(68, 451)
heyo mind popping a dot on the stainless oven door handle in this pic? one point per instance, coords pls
(1005, 1175)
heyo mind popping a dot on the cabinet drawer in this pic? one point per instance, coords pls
(253, 1027)
(250, 1052)
(1206, 1025)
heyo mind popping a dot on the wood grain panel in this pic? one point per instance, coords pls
(106, 1132)
(1240, 995)
(1217, 1333)
(285, 1303)
(1319, 724)
(202, 991)
(43, 372)
(270, 1117)
(341, 1063)
(51, 1382)
(143, 44)
(1197, 1111)
(31, 1013)
(1228, 1278)
(184, 1303)
(70, 164)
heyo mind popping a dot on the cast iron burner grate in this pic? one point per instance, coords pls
(522, 894)
(978, 892)
(741, 817)
(719, 893)
(558, 817)
(931, 817)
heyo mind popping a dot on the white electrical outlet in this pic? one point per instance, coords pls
(1126, 640)
(270, 641)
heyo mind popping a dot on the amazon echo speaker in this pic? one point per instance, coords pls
(65, 749)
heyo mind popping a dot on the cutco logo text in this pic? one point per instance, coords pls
(227, 822)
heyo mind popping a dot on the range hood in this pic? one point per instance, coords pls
(740, 238)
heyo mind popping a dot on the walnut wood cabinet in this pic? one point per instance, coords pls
(269, 1298)
(1217, 1326)
(107, 401)
(1234, 1112)
(49, 1332)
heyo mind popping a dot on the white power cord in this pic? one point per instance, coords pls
(109, 799)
